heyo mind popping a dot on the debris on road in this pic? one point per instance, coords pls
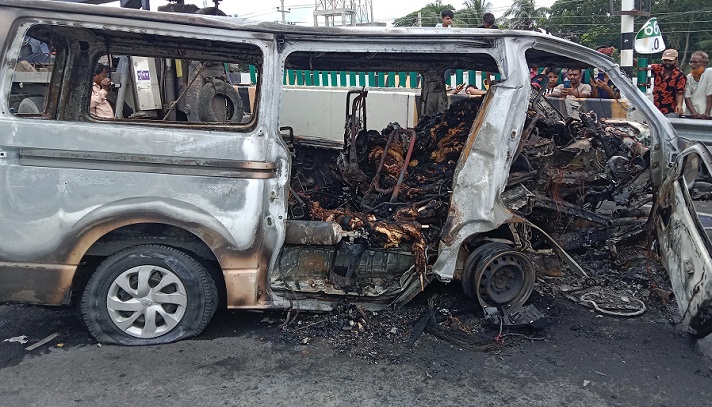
(42, 342)
(19, 339)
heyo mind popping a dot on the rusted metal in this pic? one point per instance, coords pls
(354, 122)
(174, 103)
(410, 133)
(313, 233)
(376, 178)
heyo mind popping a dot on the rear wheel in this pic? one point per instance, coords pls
(148, 295)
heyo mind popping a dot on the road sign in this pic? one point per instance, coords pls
(649, 40)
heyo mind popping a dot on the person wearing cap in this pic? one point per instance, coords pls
(669, 87)
(698, 92)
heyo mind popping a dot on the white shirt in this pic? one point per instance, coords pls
(583, 91)
(698, 91)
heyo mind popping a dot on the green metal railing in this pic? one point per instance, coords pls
(350, 79)
(411, 80)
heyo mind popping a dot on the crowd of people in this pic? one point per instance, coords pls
(674, 93)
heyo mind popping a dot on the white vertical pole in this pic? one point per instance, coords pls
(420, 19)
(627, 36)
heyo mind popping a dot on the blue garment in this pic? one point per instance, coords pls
(602, 94)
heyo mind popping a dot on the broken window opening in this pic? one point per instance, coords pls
(174, 89)
(37, 73)
(152, 78)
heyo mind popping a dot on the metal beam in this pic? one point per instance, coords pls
(693, 129)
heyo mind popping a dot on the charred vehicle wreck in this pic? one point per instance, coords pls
(202, 191)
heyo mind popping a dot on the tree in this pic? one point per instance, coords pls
(683, 24)
(523, 14)
(587, 22)
(471, 15)
(430, 15)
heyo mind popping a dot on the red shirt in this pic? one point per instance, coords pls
(666, 89)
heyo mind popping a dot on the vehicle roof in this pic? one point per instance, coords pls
(252, 25)
(236, 23)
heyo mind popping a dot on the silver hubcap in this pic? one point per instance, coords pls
(146, 301)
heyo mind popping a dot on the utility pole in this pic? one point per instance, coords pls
(420, 19)
(283, 11)
(627, 35)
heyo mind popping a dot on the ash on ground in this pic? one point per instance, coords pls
(457, 320)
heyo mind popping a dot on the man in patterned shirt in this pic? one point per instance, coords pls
(669, 88)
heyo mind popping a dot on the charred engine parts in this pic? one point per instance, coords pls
(572, 181)
(348, 256)
(394, 185)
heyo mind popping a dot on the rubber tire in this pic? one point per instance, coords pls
(205, 101)
(31, 105)
(200, 289)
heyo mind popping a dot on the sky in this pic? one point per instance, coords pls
(300, 11)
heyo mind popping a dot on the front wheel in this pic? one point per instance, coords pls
(497, 276)
(148, 295)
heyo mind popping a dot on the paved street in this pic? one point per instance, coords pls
(244, 359)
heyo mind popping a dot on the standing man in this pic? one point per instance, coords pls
(698, 92)
(669, 87)
(488, 21)
(446, 16)
(577, 89)
(99, 106)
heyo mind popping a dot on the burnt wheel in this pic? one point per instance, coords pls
(148, 295)
(497, 275)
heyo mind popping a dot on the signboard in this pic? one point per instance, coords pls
(649, 40)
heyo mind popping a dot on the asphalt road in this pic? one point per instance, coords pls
(245, 359)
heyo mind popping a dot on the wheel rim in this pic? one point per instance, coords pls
(146, 301)
(504, 278)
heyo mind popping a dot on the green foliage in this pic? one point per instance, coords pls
(524, 15)
(430, 15)
(686, 24)
(469, 16)
(587, 22)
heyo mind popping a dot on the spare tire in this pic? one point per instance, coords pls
(219, 102)
(31, 105)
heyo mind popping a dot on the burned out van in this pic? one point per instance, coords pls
(215, 181)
